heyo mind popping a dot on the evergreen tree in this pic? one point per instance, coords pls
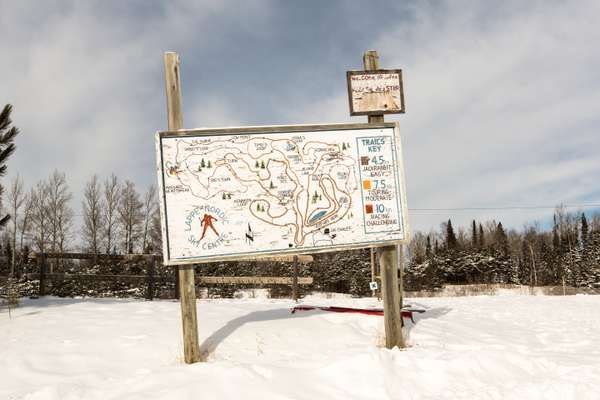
(428, 247)
(202, 163)
(7, 147)
(474, 241)
(451, 242)
(481, 237)
(502, 239)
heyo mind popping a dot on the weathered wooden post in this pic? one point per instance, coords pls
(295, 279)
(151, 263)
(42, 265)
(389, 257)
(187, 292)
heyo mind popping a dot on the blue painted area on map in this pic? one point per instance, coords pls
(317, 216)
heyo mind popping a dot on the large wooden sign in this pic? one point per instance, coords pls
(375, 92)
(249, 192)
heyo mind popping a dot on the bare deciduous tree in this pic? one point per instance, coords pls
(92, 215)
(59, 211)
(39, 215)
(65, 227)
(16, 198)
(25, 221)
(150, 208)
(130, 215)
(417, 247)
(156, 232)
(110, 204)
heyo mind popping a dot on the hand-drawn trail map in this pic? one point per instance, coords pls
(247, 192)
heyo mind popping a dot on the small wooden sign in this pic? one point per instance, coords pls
(375, 92)
(255, 280)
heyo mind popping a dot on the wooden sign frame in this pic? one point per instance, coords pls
(401, 189)
(350, 74)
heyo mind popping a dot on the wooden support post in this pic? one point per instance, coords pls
(388, 259)
(187, 287)
(42, 265)
(295, 288)
(388, 256)
(151, 263)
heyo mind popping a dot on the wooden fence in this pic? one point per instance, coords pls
(151, 277)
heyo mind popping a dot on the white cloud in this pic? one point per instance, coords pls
(86, 81)
(502, 102)
(502, 98)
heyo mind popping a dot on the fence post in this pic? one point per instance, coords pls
(42, 265)
(151, 267)
(295, 288)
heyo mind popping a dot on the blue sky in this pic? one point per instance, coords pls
(502, 98)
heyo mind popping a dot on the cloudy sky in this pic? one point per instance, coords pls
(502, 98)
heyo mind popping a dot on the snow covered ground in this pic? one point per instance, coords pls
(504, 347)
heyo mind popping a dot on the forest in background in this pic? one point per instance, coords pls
(568, 254)
(116, 218)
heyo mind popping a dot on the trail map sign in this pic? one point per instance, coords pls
(248, 192)
(375, 92)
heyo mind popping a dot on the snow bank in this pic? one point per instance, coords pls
(508, 347)
(501, 289)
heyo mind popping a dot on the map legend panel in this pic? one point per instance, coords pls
(380, 191)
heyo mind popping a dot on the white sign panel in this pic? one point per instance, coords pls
(375, 92)
(249, 192)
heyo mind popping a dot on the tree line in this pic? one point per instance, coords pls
(116, 218)
(566, 254)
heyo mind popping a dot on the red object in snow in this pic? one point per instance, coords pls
(368, 311)
(406, 313)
